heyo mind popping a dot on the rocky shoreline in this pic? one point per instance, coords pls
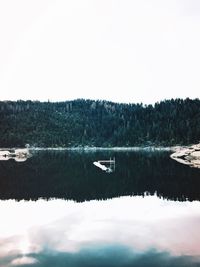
(188, 155)
(19, 155)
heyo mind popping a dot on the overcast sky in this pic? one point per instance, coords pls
(120, 50)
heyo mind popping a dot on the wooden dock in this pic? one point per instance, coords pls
(102, 165)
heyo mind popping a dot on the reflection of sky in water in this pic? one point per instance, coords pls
(118, 232)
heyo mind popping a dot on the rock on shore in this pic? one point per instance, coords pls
(19, 155)
(188, 155)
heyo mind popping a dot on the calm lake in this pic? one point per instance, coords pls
(57, 210)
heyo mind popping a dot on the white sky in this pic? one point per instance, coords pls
(120, 50)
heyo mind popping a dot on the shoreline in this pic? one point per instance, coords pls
(88, 148)
(189, 155)
(18, 154)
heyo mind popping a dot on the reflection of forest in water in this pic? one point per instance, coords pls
(71, 175)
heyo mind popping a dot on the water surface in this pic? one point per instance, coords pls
(58, 209)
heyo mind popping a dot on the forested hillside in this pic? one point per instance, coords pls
(98, 123)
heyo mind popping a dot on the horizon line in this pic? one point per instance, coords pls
(99, 100)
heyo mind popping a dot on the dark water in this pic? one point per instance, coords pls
(72, 176)
(145, 213)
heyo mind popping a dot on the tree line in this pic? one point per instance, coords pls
(98, 123)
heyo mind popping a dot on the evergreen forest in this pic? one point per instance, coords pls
(99, 123)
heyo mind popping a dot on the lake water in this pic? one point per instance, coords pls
(58, 209)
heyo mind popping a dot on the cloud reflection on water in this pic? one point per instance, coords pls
(43, 232)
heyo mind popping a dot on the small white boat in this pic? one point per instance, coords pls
(102, 165)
